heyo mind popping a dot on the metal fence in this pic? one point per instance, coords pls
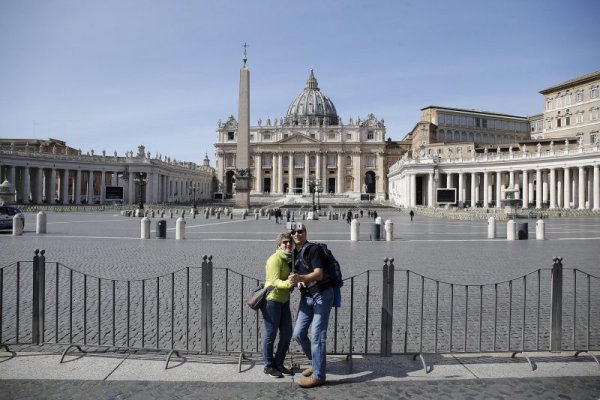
(385, 311)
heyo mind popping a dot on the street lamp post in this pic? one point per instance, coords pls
(141, 178)
(319, 189)
(193, 190)
(313, 187)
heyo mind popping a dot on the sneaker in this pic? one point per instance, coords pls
(273, 372)
(284, 370)
(310, 382)
(307, 372)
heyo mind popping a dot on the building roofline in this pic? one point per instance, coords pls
(471, 111)
(592, 76)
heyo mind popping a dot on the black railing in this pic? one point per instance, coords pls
(385, 311)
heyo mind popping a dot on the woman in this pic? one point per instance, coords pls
(276, 310)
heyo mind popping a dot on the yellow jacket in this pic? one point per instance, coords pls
(277, 271)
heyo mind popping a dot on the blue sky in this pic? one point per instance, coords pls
(114, 74)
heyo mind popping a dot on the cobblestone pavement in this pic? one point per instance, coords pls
(579, 388)
(108, 246)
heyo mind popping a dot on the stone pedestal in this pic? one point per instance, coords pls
(242, 191)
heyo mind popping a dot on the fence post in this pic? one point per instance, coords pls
(387, 307)
(556, 308)
(206, 300)
(39, 297)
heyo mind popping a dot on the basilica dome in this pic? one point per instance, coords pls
(311, 106)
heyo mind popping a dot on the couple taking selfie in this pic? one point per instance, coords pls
(317, 298)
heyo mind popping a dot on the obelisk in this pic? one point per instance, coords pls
(242, 176)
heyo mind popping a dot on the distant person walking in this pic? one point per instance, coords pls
(412, 214)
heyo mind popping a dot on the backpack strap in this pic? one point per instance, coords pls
(303, 258)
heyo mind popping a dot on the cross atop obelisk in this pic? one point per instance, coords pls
(242, 179)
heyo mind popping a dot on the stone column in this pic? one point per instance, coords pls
(52, 191)
(449, 181)
(25, 185)
(102, 186)
(356, 168)
(305, 187)
(11, 175)
(567, 187)
(559, 189)
(430, 195)
(581, 196)
(39, 186)
(291, 173)
(64, 186)
(552, 188)
(461, 187)
(473, 194)
(413, 190)
(90, 187)
(340, 173)
(78, 187)
(318, 164)
(545, 195)
(538, 188)
(280, 173)
(525, 189)
(258, 173)
(275, 174)
(486, 190)
(596, 187)
(498, 189)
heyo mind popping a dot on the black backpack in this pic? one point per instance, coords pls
(333, 272)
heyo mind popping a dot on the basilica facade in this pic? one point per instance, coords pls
(308, 149)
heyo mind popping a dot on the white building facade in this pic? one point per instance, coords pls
(566, 178)
(549, 160)
(63, 175)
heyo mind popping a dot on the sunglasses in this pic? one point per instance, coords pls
(298, 232)
(286, 242)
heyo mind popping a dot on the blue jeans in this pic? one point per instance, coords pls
(276, 317)
(315, 309)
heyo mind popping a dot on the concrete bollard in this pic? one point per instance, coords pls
(389, 230)
(491, 228)
(18, 224)
(540, 230)
(145, 228)
(354, 230)
(40, 226)
(510, 230)
(180, 229)
(378, 221)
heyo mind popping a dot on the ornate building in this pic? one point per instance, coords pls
(485, 156)
(308, 147)
(50, 172)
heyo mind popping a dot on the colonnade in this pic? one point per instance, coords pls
(347, 176)
(62, 184)
(543, 186)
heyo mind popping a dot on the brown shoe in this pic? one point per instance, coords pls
(307, 372)
(310, 382)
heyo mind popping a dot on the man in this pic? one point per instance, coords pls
(315, 305)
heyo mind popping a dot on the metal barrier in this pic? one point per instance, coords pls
(384, 312)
